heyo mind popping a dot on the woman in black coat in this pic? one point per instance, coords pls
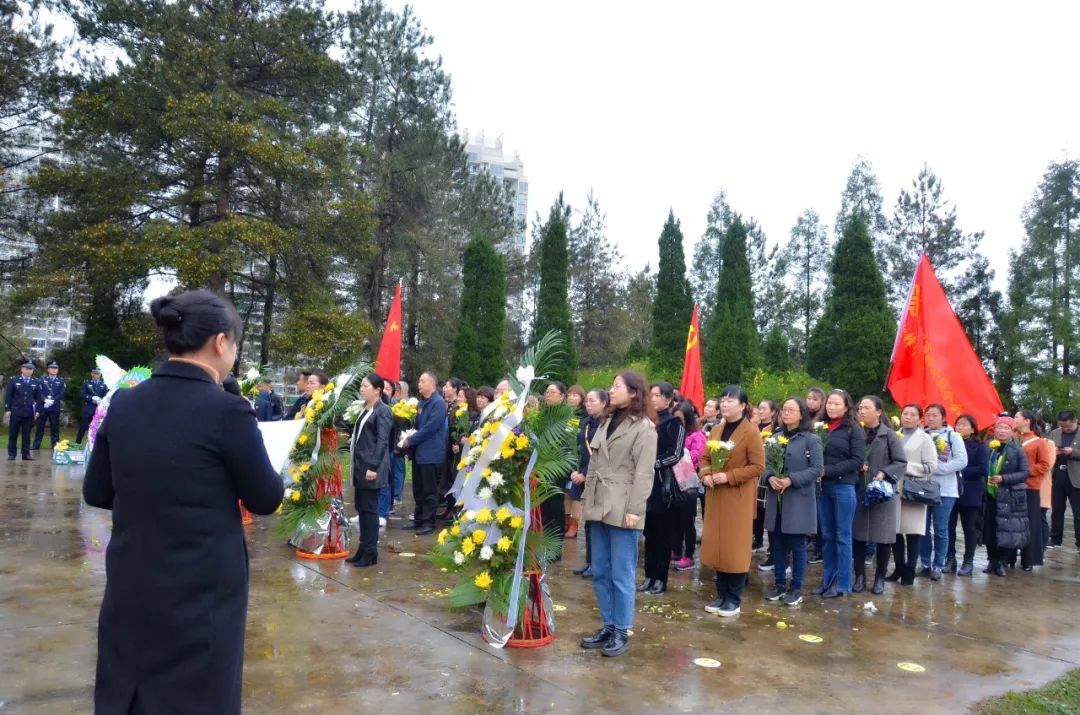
(969, 506)
(1005, 524)
(596, 402)
(664, 504)
(172, 458)
(370, 447)
(844, 454)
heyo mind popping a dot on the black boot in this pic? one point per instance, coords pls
(879, 586)
(645, 585)
(598, 639)
(658, 587)
(896, 574)
(999, 569)
(950, 565)
(617, 644)
(907, 578)
(966, 568)
(860, 584)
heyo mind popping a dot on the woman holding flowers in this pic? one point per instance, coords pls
(970, 504)
(665, 502)
(596, 402)
(791, 507)
(952, 458)
(876, 523)
(370, 447)
(733, 461)
(921, 460)
(170, 461)
(616, 489)
(844, 452)
(1005, 523)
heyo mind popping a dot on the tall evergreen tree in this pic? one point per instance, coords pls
(706, 264)
(552, 306)
(596, 290)
(862, 197)
(478, 349)
(732, 338)
(924, 221)
(637, 307)
(672, 308)
(767, 270)
(805, 260)
(851, 343)
(980, 307)
(776, 351)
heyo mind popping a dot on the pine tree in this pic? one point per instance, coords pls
(637, 307)
(706, 265)
(851, 343)
(805, 260)
(862, 197)
(979, 307)
(673, 306)
(924, 221)
(478, 349)
(732, 338)
(776, 351)
(552, 307)
(767, 270)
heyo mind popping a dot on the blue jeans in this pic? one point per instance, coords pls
(614, 564)
(397, 477)
(938, 518)
(796, 544)
(836, 511)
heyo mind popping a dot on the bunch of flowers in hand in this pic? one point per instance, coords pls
(461, 424)
(719, 451)
(775, 451)
(944, 450)
(249, 386)
(405, 411)
(822, 431)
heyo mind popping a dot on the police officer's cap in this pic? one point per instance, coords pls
(29, 365)
(95, 370)
(54, 364)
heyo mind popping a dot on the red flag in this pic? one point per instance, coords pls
(933, 360)
(691, 387)
(388, 364)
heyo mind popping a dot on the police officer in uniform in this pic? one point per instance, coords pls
(20, 397)
(52, 397)
(93, 392)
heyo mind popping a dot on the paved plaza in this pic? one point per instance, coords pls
(324, 637)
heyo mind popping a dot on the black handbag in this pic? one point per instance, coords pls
(921, 491)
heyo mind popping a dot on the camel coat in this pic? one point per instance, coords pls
(727, 536)
(922, 459)
(620, 474)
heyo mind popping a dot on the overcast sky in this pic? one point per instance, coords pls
(664, 105)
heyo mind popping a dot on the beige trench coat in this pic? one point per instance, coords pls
(921, 461)
(620, 476)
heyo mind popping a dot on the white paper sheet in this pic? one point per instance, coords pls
(278, 439)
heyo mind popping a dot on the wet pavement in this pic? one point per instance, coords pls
(324, 637)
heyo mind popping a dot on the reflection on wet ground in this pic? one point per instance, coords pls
(324, 637)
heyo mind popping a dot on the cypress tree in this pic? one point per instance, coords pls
(552, 306)
(852, 341)
(732, 336)
(777, 350)
(672, 307)
(477, 355)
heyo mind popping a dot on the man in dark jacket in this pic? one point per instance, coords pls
(268, 406)
(430, 442)
(21, 396)
(302, 393)
(52, 397)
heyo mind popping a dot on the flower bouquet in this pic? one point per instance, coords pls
(67, 453)
(496, 548)
(249, 386)
(775, 454)
(719, 451)
(997, 463)
(405, 411)
(313, 513)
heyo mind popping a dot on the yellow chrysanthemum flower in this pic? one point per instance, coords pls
(467, 547)
(502, 514)
(317, 395)
(330, 387)
(296, 495)
(483, 516)
(712, 445)
(521, 442)
(506, 452)
(782, 441)
(504, 544)
(455, 530)
(462, 464)
(280, 508)
(296, 477)
(487, 472)
(305, 467)
(517, 522)
(302, 439)
(443, 536)
(483, 580)
(995, 444)
(478, 536)
(299, 416)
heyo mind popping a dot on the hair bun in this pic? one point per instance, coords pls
(165, 312)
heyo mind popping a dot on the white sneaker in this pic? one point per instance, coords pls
(382, 521)
(729, 612)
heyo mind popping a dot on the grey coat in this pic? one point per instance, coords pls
(1074, 458)
(620, 476)
(877, 524)
(804, 464)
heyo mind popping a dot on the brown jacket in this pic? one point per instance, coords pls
(620, 472)
(727, 537)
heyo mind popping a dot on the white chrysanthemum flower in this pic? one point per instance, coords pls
(495, 479)
(470, 515)
(288, 493)
(252, 373)
(459, 558)
(483, 493)
(486, 553)
(525, 375)
(499, 413)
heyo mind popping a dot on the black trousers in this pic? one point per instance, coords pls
(684, 540)
(759, 523)
(729, 586)
(858, 554)
(20, 426)
(968, 517)
(1032, 554)
(658, 532)
(84, 425)
(53, 418)
(588, 542)
(367, 507)
(425, 489)
(912, 556)
(1063, 492)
